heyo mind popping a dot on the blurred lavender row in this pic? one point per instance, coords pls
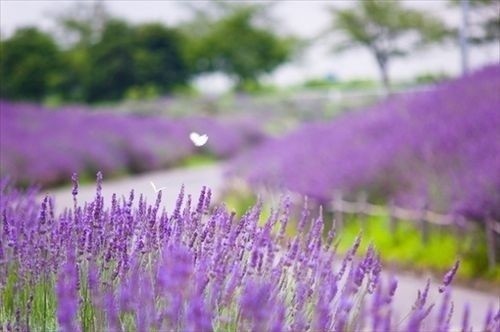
(439, 148)
(137, 266)
(48, 145)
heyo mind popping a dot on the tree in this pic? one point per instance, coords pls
(158, 58)
(134, 57)
(79, 27)
(386, 29)
(81, 24)
(232, 42)
(111, 63)
(484, 21)
(29, 65)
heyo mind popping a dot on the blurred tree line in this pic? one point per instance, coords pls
(389, 30)
(94, 57)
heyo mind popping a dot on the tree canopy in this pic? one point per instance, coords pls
(29, 65)
(119, 58)
(484, 21)
(135, 57)
(386, 29)
(158, 57)
(98, 57)
(233, 43)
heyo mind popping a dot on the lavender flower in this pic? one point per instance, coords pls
(67, 298)
(214, 273)
(256, 306)
(110, 141)
(382, 150)
(198, 316)
(449, 276)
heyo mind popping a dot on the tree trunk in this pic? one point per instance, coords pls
(383, 67)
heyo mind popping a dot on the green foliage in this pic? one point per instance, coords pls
(29, 65)
(484, 20)
(235, 45)
(99, 60)
(256, 88)
(386, 29)
(39, 300)
(431, 78)
(111, 60)
(137, 62)
(353, 84)
(126, 61)
(158, 58)
(145, 92)
(198, 160)
(405, 248)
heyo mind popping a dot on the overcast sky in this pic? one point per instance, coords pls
(303, 18)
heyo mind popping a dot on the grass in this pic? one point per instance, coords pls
(39, 299)
(197, 160)
(404, 247)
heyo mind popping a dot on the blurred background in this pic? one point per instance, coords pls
(385, 113)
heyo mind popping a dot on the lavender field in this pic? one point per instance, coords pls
(439, 149)
(45, 146)
(250, 166)
(137, 266)
(133, 265)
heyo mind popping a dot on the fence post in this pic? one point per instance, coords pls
(361, 207)
(458, 226)
(337, 210)
(424, 224)
(392, 218)
(490, 242)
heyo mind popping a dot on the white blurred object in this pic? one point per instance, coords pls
(197, 139)
(154, 187)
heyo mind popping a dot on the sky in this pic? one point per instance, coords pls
(303, 18)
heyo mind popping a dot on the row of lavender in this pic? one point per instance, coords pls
(47, 146)
(439, 148)
(135, 266)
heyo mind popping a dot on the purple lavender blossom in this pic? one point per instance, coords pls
(198, 316)
(67, 298)
(448, 277)
(202, 273)
(425, 146)
(87, 141)
(256, 304)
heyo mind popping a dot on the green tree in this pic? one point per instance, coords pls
(386, 29)
(230, 41)
(111, 61)
(146, 57)
(79, 27)
(158, 57)
(81, 24)
(29, 65)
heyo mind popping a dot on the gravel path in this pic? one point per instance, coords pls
(212, 176)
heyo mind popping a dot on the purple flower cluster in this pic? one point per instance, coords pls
(135, 266)
(440, 148)
(47, 146)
